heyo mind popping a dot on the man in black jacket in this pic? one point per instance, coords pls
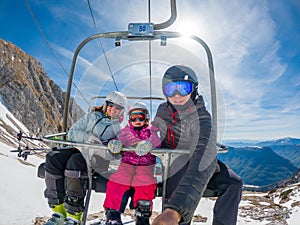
(184, 123)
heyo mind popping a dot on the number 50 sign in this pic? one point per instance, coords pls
(140, 29)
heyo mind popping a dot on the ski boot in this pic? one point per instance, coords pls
(73, 219)
(58, 216)
(113, 217)
(143, 212)
(56, 219)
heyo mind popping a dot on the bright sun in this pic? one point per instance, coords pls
(187, 28)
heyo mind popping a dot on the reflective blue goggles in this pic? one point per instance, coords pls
(182, 88)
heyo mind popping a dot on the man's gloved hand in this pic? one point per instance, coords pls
(143, 148)
(115, 146)
(94, 140)
(167, 217)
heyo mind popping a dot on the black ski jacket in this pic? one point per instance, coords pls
(190, 128)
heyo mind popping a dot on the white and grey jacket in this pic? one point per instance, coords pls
(97, 124)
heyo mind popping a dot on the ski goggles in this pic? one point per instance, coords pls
(182, 88)
(111, 104)
(140, 116)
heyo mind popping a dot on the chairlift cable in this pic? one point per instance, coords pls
(101, 45)
(49, 46)
(150, 56)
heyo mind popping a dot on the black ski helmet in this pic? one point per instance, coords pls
(181, 73)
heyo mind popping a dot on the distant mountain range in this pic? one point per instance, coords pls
(280, 142)
(239, 143)
(264, 163)
(246, 143)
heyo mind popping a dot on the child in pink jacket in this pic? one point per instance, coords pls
(136, 169)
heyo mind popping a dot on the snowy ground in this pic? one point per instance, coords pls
(22, 195)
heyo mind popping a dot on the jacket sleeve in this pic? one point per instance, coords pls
(154, 138)
(78, 132)
(201, 167)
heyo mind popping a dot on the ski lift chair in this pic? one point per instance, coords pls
(138, 32)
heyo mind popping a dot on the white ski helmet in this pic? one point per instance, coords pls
(117, 98)
(142, 106)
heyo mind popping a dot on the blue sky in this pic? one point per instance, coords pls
(255, 47)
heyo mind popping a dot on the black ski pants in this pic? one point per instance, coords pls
(224, 184)
(66, 178)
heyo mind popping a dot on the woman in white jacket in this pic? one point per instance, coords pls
(66, 169)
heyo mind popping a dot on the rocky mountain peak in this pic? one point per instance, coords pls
(29, 94)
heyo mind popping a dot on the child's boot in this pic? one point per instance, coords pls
(143, 212)
(113, 217)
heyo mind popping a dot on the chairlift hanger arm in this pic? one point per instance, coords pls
(171, 20)
(157, 35)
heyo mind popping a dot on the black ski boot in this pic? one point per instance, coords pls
(113, 217)
(143, 212)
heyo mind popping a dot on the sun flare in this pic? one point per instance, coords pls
(187, 28)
